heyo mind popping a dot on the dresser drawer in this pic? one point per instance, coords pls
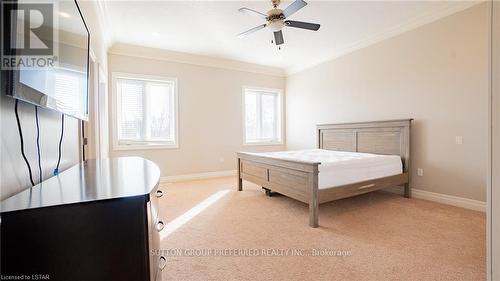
(160, 264)
(155, 225)
(156, 222)
(154, 196)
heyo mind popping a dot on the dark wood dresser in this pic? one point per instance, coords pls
(98, 220)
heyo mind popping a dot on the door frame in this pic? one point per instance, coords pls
(103, 118)
(493, 196)
(91, 127)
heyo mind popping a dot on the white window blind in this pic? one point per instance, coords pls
(146, 111)
(65, 85)
(262, 114)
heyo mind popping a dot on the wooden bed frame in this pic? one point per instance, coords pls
(299, 179)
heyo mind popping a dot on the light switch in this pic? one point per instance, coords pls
(459, 140)
(420, 172)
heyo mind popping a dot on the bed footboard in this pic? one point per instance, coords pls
(295, 179)
(299, 180)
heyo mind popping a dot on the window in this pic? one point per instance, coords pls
(262, 116)
(146, 111)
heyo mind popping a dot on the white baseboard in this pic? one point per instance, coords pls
(199, 176)
(443, 198)
(416, 193)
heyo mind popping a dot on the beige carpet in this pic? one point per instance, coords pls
(384, 237)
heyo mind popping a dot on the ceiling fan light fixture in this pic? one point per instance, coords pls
(276, 25)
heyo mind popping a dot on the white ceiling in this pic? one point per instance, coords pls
(209, 27)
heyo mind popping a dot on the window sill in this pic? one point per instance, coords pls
(262, 143)
(145, 146)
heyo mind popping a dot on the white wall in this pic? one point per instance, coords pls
(13, 172)
(210, 111)
(436, 74)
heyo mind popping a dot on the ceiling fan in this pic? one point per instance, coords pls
(277, 19)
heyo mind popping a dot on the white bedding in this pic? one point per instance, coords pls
(339, 168)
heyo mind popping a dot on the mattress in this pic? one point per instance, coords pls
(339, 168)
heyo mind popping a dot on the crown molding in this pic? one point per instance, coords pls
(192, 59)
(392, 32)
(105, 23)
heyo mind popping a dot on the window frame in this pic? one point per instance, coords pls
(147, 144)
(280, 114)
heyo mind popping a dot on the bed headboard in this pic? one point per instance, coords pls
(379, 137)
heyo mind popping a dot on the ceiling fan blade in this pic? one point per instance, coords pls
(253, 13)
(278, 38)
(251, 30)
(303, 25)
(294, 7)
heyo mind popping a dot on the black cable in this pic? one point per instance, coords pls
(40, 176)
(22, 143)
(56, 171)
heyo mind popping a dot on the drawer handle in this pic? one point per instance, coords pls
(159, 193)
(162, 262)
(366, 186)
(160, 225)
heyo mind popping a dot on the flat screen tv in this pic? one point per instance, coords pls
(48, 47)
